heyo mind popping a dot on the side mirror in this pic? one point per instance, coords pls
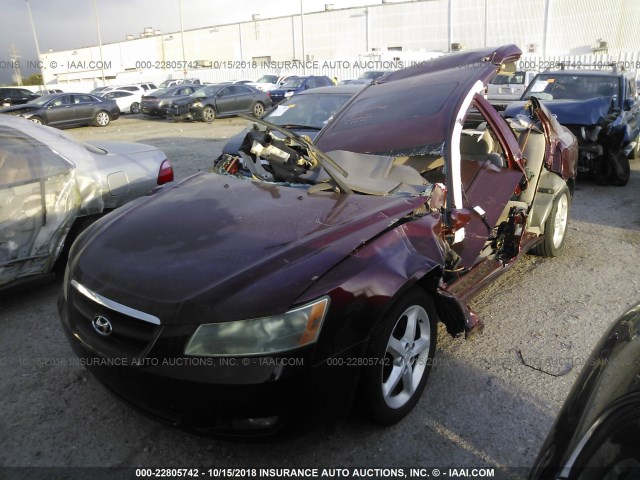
(628, 103)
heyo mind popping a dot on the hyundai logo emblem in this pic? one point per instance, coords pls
(102, 325)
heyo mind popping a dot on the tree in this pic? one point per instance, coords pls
(33, 79)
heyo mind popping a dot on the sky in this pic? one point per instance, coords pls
(71, 24)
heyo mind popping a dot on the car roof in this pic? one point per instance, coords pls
(351, 89)
(119, 90)
(584, 73)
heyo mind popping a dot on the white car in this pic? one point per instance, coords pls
(507, 87)
(128, 102)
(187, 81)
(267, 83)
(141, 88)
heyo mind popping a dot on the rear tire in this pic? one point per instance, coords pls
(555, 227)
(134, 108)
(399, 358)
(102, 119)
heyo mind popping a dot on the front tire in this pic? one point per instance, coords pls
(619, 168)
(208, 114)
(555, 227)
(399, 358)
(36, 120)
(134, 108)
(102, 119)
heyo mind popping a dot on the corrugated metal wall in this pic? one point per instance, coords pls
(573, 28)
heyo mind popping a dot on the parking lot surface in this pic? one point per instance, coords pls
(489, 403)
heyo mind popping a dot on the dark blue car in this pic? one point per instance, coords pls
(297, 85)
(601, 109)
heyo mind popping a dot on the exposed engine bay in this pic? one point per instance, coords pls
(272, 154)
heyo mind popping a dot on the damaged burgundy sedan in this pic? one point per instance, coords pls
(301, 278)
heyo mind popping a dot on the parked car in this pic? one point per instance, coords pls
(365, 79)
(158, 102)
(316, 274)
(597, 432)
(241, 81)
(142, 87)
(67, 110)
(602, 110)
(147, 86)
(48, 92)
(186, 81)
(265, 82)
(128, 102)
(296, 85)
(51, 186)
(15, 96)
(304, 114)
(134, 88)
(213, 101)
(508, 87)
(98, 90)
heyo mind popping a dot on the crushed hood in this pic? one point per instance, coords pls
(20, 108)
(218, 248)
(570, 112)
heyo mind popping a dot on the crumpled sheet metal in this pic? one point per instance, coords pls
(34, 220)
(41, 194)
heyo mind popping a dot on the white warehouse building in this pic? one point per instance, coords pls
(335, 41)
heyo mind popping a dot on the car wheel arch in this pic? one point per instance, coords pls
(213, 108)
(102, 118)
(379, 390)
(396, 285)
(548, 186)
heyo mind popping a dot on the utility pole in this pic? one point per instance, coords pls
(184, 72)
(95, 10)
(35, 38)
(302, 32)
(15, 61)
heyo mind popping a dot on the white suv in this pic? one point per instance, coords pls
(141, 88)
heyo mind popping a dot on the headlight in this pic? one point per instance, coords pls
(267, 335)
(288, 94)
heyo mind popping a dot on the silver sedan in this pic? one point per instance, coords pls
(52, 186)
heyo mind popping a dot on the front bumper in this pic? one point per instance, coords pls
(244, 396)
(152, 109)
(180, 112)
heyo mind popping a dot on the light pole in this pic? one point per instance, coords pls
(35, 37)
(486, 21)
(365, 14)
(302, 32)
(545, 31)
(95, 11)
(184, 63)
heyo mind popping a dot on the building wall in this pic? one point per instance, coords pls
(573, 28)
